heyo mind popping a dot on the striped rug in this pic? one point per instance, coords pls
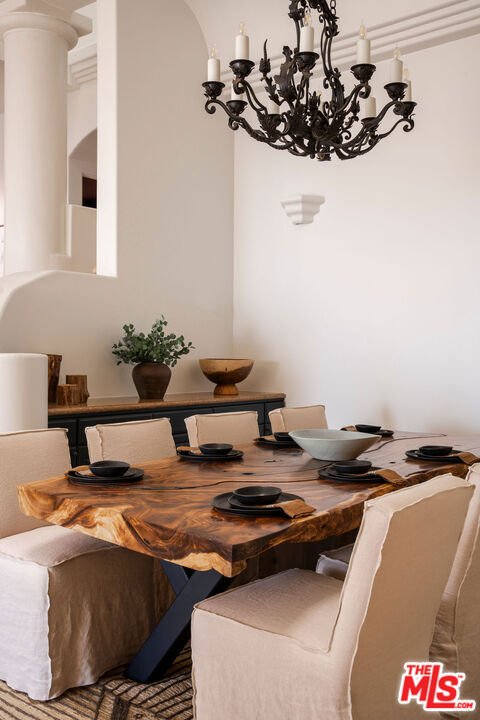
(112, 698)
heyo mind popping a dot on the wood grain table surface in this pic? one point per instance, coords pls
(169, 515)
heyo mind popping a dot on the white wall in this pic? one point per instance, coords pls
(170, 206)
(373, 309)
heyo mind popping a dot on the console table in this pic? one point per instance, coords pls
(75, 418)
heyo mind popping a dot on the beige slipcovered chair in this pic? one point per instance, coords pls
(71, 606)
(300, 418)
(303, 645)
(234, 428)
(133, 442)
(456, 641)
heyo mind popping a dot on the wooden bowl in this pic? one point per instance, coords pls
(225, 373)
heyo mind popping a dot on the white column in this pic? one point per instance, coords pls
(23, 392)
(36, 47)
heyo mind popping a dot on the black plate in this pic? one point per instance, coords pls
(330, 474)
(232, 455)
(385, 433)
(132, 475)
(222, 503)
(276, 443)
(445, 459)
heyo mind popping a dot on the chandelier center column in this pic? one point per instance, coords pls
(35, 48)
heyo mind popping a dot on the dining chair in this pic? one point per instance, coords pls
(71, 606)
(456, 640)
(298, 418)
(133, 442)
(234, 428)
(297, 642)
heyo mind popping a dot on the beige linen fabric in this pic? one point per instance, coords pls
(71, 606)
(334, 563)
(48, 456)
(456, 640)
(69, 613)
(331, 648)
(132, 442)
(235, 428)
(301, 418)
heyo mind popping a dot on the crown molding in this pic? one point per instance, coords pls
(448, 21)
(417, 31)
(82, 66)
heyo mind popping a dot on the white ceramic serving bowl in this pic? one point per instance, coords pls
(333, 444)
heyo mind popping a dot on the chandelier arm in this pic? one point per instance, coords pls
(352, 99)
(244, 86)
(236, 121)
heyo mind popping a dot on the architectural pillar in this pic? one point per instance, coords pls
(35, 48)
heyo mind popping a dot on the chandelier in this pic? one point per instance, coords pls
(296, 117)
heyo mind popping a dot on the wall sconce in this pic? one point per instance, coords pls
(301, 209)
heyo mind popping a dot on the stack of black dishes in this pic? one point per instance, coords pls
(252, 500)
(106, 472)
(211, 452)
(374, 430)
(350, 471)
(282, 440)
(435, 453)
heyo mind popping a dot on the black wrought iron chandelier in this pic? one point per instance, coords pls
(296, 118)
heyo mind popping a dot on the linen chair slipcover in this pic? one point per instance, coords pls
(303, 645)
(301, 418)
(234, 428)
(456, 639)
(71, 606)
(133, 442)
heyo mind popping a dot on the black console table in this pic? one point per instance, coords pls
(76, 418)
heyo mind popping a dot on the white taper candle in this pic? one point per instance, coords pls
(369, 109)
(408, 90)
(396, 67)
(234, 95)
(307, 35)
(363, 47)
(242, 44)
(213, 66)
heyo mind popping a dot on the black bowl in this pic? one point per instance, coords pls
(283, 437)
(257, 494)
(216, 448)
(435, 450)
(109, 468)
(372, 429)
(352, 467)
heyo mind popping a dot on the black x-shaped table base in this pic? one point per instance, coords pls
(173, 631)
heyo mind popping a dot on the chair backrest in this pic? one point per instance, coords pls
(26, 457)
(300, 418)
(399, 568)
(457, 629)
(133, 442)
(234, 428)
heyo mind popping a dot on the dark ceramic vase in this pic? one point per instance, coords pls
(151, 380)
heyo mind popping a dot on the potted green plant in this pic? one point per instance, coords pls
(153, 355)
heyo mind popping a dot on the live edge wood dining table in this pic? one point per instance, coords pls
(169, 516)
